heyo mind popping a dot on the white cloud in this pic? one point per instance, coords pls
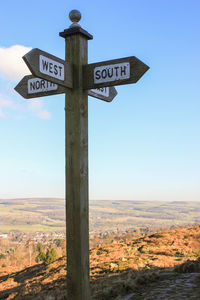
(44, 114)
(36, 107)
(12, 66)
(5, 103)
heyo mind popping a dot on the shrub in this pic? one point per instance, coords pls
(58, 242)
(2, 256)
(41, 256)
(51, 255)
(189, 266)
(39, 247)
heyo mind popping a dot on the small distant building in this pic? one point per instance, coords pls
(3, 235)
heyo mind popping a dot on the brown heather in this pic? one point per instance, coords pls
(118, 268)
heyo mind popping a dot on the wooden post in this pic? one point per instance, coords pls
(76, 76)
(76, 118)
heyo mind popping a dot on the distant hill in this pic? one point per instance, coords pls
(138, 266)
(48, 214)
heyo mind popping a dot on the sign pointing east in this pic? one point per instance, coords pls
(33, 87)
(113, 72)
(49, 67)
(105, 93)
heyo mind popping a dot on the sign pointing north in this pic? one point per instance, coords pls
(33, 87)
(113, 72)
(49, 67)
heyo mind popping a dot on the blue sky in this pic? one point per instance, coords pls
(145, 144)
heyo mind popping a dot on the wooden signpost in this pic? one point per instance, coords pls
(77, 79)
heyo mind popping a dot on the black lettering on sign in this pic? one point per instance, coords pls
(32, 85)
(97, 74)
(43, 84)
(116, 68)
(110, 72)
(104, 73)
(45, 65)
(50, 67)
(60, 70)
(55, 69)
(37, 84)
(123, 70)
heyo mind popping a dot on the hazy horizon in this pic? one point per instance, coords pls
(60, 198)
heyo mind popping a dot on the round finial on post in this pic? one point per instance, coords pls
(75, 17)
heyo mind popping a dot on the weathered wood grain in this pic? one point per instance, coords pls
(108, 98)
(22, 89)
(32, 59)
(137, 70)
(77, 227)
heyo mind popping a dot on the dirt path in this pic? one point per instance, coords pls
(184, 286)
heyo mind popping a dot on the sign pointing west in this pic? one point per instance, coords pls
(33, 87)
(49, 67)
(113, 72)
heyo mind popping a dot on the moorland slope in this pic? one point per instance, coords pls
(122, 267)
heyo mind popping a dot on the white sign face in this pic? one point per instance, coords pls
(38, 85)
(101, 91)
(51, 67)
(112, 72)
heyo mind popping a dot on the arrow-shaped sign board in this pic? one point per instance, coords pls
(113, 72)
(49, 67)
(33, 87)
(106, 93)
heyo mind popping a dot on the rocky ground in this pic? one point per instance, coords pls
(182, 286)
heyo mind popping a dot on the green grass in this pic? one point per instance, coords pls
(30, 228)
(104, 215)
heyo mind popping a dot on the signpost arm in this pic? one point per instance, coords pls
(76, 118)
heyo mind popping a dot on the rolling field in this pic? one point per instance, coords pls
(48, 214)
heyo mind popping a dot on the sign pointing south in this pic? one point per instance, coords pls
(113, 72)
(49, 67)
(33, 87)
